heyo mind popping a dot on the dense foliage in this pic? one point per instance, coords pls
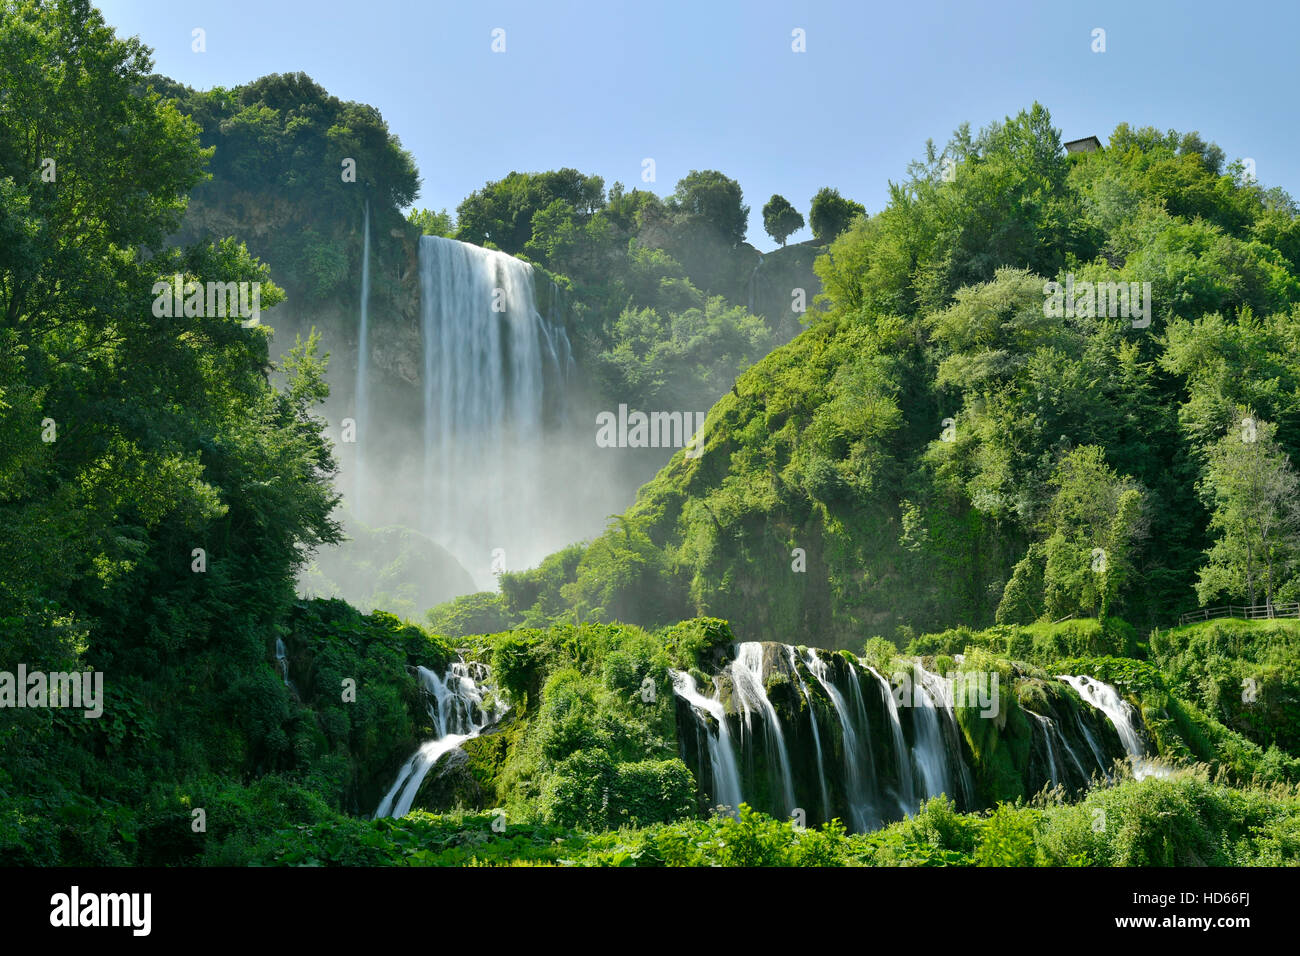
(1183, 821)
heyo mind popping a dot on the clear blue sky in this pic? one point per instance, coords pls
(713, 84)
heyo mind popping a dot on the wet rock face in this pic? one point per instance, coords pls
(1070, 742)
(451, 784)
(819, 734)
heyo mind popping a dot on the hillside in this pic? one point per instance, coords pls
(943, 445)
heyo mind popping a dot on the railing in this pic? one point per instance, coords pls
(1251, 612)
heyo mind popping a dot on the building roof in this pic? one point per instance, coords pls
(1088, 144)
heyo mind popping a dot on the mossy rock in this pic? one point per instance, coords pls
(451, 785)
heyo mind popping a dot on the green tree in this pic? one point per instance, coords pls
(830, 213)
(159, 494)
(1254, 492)
(432, 223)
(502, 212)
(710, 197)
(780, 218)
(1095, 524)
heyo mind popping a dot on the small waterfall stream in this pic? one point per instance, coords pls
(860, 809)
(817, 737)
(906, 795)
(1122, 715)
(360, 490)
(722, 758)
(282, 658)
(458, 712)
(747, 676)
(1047, 727)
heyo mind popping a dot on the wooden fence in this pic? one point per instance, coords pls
(1252, 612)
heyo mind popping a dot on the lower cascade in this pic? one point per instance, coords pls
(1123, 716)
(455, 701)
(821, 735)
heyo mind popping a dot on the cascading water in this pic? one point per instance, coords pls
(1045, 724)
(817, 737)
(1091, 740)
(1122, 715)
(495, 372)
(722, 759)
(937, 749)
(458, 713)
(860, 712)
(282, 658)
(860, 809)
(928, 750)
(747, 676)
(906, 794)
(359, 504)
(919, 748)
(843, 759)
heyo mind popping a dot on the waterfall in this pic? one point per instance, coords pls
(458, 712)
(906, 795)
(1058, 749)
(363, 375)
(747, 677)
(722, 760)
(860, 809)
(860, 709)
(1122, 715)
(938, 749)
(910, 731)
(1070, 752)
(928, 751)
(494, 376)
(817, 737)
(1046, 724)
(282, 658)
(1091, 739)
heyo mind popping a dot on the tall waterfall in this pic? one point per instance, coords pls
(494, 377)
(937, 737)
(905, 793)
(455, 701)
(359, 504)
